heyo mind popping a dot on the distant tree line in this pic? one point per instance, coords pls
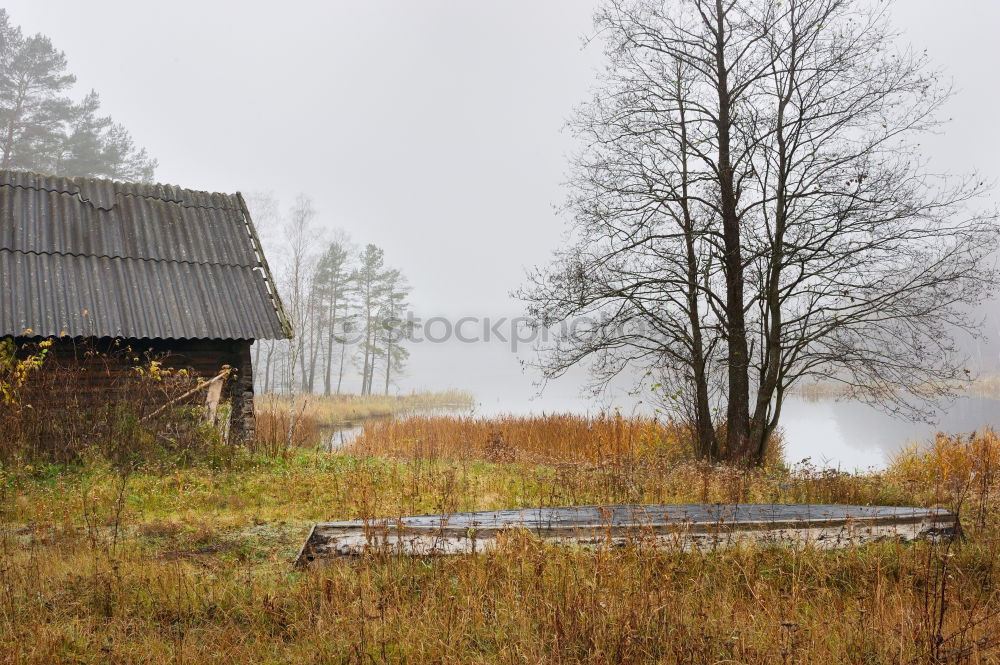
(345, 305)
(43, 129)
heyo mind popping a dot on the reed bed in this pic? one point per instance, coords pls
(546, 439)
(279, 429)
(338, 410)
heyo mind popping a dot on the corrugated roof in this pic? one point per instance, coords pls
(87, 257)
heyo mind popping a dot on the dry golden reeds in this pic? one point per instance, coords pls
(339, 410)
(549, 438)
(546, 439)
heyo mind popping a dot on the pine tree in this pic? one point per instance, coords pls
(370, 284)
(395, 328)
(334, 289)
(43, 129)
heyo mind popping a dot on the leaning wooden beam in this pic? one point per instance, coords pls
(687, 526)
(215, 380)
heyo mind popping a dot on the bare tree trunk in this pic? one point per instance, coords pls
(314, 335)
(764, 421)
(370, 378)
(268, 371)
(706, 441)
(388, 362)
(301, 353)
(328, 359)
(738, 361)
(368, 348)
(340, 376)
(330, 335)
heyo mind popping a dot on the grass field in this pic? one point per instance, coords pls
(159, 563)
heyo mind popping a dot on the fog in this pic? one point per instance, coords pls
(432, 129)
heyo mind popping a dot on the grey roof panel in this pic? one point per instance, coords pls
(84, 296)
(87, 257)
(103, 194)
(47, 221)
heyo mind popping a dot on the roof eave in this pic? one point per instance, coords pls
(279, 308)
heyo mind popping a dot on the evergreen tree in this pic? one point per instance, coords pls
(334, 283)
(43, 129)
(370, 284)
(394, 327)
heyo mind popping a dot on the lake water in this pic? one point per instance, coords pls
(831, 433)
(851, 435)
(841, 434)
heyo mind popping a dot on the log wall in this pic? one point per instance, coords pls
(98, 366)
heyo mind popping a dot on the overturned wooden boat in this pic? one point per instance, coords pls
(687, 526)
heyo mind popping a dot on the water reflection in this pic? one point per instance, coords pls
(851, 435)
(341, 437)
(337, 437)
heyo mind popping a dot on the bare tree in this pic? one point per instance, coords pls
(750, 209)
(300, 235)
(263, 207)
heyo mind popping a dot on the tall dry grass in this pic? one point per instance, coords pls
(949, 466)
(279, 428)
(192, 597)
(194, 566)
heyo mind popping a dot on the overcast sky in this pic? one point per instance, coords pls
(431, 128)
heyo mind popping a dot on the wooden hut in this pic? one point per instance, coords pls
(169, 271)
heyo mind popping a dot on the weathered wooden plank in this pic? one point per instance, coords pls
(687, 526)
